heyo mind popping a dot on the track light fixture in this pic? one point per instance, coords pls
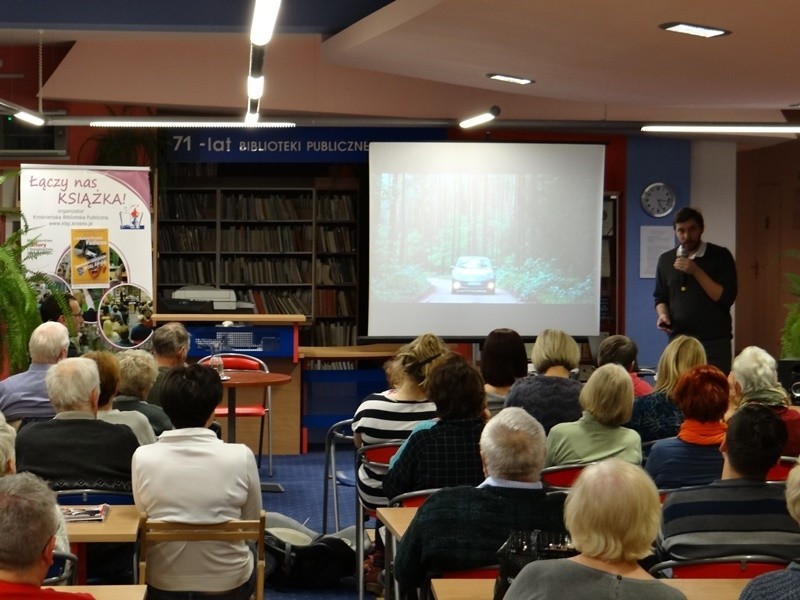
(480, 119)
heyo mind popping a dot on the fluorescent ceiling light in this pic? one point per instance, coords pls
(744, 128)
(696, 30)
(29, 118)
(177, 123)
(251, 118)
(264, 17)
(480, 119)
(255, 87)
(509, 78)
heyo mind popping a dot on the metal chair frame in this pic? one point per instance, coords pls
(413, 499)
(68, 572)
(376, 455)
(740, 566)
(236, 361)
(153, 532)
(336, 433)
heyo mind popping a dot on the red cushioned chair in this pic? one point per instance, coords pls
(725, 567)
(561, 477)
(780, 470)
(233, 361)
(376, 456)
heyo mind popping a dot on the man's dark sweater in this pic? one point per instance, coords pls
(463, 527)
(74, 450)
(155, 414)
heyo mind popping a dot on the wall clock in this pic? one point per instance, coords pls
(658, 199)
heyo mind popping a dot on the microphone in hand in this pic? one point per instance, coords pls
(682, 253)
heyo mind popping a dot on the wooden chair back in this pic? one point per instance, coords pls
(153, 532)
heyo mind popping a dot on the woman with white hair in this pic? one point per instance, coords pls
(612, 514)
(754, 380)
(607, 401)
(138, 372)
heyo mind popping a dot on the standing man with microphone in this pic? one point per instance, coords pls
(695, 289)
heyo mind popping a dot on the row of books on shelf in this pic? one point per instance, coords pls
(180, 270)
(255, 206)
(288, 302)
(334, 333)
(244, 270)
(336, 239)
(188, 206)
(335, 303)
(336, 207)
(266, 239)
(335, 271)
(331, 365)
(187, 239)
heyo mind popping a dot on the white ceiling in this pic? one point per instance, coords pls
(592, 62)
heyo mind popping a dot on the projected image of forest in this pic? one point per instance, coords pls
(480, 238)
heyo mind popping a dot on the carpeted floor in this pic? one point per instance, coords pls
(302, 478)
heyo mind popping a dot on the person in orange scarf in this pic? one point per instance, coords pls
(693, 457)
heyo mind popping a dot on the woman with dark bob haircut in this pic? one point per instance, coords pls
(446, 454)
(693, 457)
(503, 361)
(190, 476)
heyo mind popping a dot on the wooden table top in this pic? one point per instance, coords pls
(107, 592)
(254, 379)
(397, 519)
(120, 525)
(695, 589)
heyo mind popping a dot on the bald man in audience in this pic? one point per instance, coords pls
(28, 524)
(462, 527)
(75, 449)
(24, 395)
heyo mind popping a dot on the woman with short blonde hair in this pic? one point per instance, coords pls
(607, 400)
(612, 514)
(551, 395)
(655, 415)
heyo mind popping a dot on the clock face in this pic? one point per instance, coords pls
(658, 199)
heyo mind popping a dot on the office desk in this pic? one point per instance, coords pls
(695, 589)
(107, 592)
(396, 520)
(120, 525)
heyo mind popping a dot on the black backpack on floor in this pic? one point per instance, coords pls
(322, 563)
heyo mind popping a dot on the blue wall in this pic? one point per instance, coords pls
(649, 160)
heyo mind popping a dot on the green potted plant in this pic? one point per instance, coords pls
(19, 300)
(790, 335)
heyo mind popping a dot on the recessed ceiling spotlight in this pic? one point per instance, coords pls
(697, 30)
(509, 78)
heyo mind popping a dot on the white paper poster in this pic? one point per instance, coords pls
(92, 227)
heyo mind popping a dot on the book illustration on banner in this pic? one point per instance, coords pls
(130, 218)
(96, 512)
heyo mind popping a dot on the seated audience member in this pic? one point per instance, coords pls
(462, 527)
(74, 449)
(612, 514)
(49, 310)
(190, 476)
(28, 523)
(8, 466)
(503, 361)
(655, 416)
(140, 331)
(170, 347)
(785, 584)
(622, 350)
(390, 416)
(754, 379)
(741, 513)
(447, 454)
(606, 399)
(108, 367)
(24, 395)
(550, 396)
(693, 457)
(137, 372)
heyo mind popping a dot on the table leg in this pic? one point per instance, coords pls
(79, 550)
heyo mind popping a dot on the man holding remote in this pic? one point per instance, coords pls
(695, 289)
